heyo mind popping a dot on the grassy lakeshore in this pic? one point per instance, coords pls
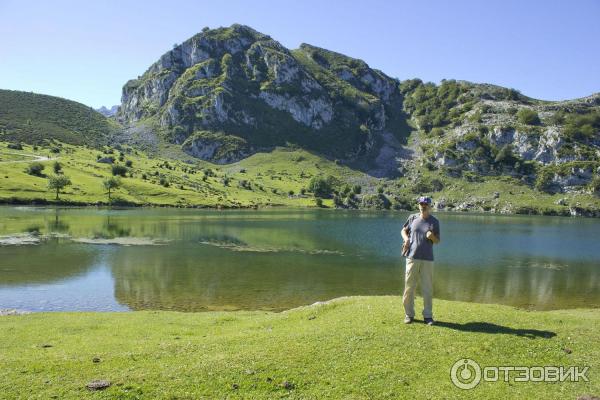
(351, 348)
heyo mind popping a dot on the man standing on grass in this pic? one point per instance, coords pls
(420, 232)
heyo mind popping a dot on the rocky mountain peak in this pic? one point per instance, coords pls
(255, 92)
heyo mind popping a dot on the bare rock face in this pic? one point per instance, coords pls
(219, 148)
(543, 148)
(573, 179)
(311, 112)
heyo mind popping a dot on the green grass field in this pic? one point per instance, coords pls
(272, 176)
(263, 179)
(349, 348)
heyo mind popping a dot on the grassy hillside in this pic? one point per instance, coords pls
(350, 348)
(263, 179)
(276, 178)
(33, 118)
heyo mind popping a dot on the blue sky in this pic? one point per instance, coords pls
(86, 52)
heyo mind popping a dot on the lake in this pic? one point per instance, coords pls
(88, 259)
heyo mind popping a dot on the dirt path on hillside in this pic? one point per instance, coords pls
(33, 156)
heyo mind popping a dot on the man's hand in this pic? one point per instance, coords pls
(431, 236)
(405, 247)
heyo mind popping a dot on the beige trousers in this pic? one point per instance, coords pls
(414, 270)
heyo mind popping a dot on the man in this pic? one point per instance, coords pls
(420, 232)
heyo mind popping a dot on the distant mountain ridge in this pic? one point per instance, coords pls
(108, 112)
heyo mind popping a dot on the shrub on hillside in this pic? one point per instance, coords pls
(376, 201)
(543, 181)
(119, 170)
(35, 169)
(582, 126)
(505, 155)
(164, 182)
(528, 116)
(595, 185)
(57, 167)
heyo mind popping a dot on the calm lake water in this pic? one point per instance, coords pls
(55, 259)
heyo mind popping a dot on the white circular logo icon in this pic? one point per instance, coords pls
(465, 373)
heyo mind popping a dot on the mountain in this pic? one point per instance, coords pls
(108, 112)
(229, 92)
(283, 123)
(36, 118)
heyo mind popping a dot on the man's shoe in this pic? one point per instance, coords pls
(408, 320)
(429, 321)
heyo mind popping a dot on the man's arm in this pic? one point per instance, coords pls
(434, 235)
(405, 234)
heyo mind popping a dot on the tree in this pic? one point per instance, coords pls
(57, 167)
(338, 201)
(35, 168)
(58, 183)
(110, 184)
(321, 187)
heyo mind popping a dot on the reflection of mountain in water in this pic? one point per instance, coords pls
(537, 283)
(43, 263)
(204, 278)
(196, 278)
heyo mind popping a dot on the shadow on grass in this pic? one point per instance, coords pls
(486, 327)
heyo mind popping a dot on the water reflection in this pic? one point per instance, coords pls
(35, 264)
(537, 283)
(195, 278)
(278, 259)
